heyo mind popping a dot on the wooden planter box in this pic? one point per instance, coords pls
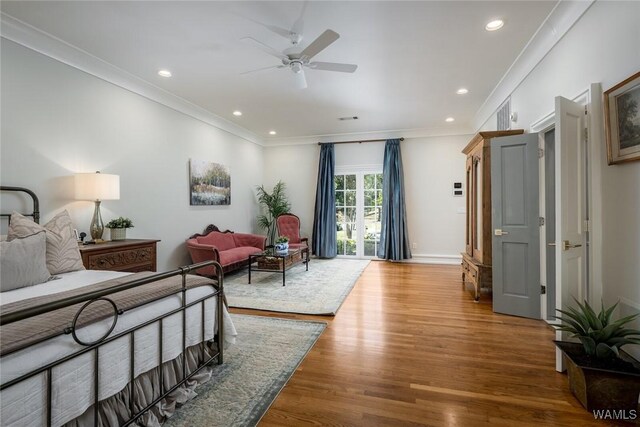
(599, 388)
(276, 263)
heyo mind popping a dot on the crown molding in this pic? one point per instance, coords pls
(383, 134)
(561, 19)
(32, 38)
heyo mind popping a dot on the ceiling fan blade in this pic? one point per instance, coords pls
(262, 69)
(266, 48)
(333, 66)
(298, 26)
(273, 28)
(301, 80)
(319, 44)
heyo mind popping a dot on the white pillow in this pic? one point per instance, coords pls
(23, 262)
(62, 248)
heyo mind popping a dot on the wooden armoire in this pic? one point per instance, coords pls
(476, 259)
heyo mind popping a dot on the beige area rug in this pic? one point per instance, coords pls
(320, 291)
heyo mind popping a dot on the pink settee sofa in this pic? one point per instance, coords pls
(230, 249)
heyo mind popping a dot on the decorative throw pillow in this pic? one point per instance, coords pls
(23, 262)
(62, 248)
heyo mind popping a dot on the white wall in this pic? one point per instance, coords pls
(603, 46)
(57, 120)
(431, 165)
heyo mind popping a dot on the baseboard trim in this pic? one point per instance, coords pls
(435, 259)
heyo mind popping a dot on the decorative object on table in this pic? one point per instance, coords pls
(209, 183)
(97, 187)
(275, 204)
(622, 120)
(119, 227)
(282, 244)
(319, 291)
(601, 376)
(239, 394)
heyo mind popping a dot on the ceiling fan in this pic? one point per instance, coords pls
(296, 62)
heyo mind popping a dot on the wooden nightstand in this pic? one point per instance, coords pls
(130, 255)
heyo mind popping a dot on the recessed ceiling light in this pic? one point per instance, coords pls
(449, 119)
(164, 73)
(272, 132)
(237, 113)
(494, 25)
(462, 91)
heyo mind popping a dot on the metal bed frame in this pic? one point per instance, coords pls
(94, 346)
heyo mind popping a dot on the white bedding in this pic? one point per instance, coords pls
(25, 403)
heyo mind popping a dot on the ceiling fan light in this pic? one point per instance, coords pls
(296, 67)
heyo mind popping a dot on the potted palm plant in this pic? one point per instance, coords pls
(601, 375)
(118, 228)
(273, 204)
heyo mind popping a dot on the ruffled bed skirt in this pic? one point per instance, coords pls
(115, 410)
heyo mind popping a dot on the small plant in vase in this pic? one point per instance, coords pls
(282, 244)
(119, 227)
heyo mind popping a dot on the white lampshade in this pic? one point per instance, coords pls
(97, 186)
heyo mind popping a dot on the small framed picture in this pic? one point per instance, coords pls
(622, 120)
(75, 233)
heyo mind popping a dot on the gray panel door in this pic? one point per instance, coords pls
(516, 239)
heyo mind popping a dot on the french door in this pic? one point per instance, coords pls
(358, 212)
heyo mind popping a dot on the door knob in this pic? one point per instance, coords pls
(499, 232)
(566, 245)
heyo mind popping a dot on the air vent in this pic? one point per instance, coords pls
(504, 115)
(348, 118)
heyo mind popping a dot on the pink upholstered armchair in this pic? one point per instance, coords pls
(289, 225)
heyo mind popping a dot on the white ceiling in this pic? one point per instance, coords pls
(411, 56)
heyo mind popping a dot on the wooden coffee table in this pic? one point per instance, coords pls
(271, 261)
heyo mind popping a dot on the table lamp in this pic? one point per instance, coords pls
(97, 187)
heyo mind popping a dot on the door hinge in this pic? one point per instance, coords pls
(543, 290)
(586, 225)
(586, 134)
(540, 153)
(540, 221)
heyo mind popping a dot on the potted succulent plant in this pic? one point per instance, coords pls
(119, 227)
(282, 244)
(601, 376)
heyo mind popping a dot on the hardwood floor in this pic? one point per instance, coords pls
(410, 347)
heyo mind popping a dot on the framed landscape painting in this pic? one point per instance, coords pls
(622, 120)
(209, 183)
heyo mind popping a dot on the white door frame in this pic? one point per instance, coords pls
(591, 98)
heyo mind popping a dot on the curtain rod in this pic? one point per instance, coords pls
(358, 141)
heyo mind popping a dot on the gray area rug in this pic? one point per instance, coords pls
(266, 354)
(321, 290)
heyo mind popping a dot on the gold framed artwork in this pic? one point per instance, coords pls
(622, 120)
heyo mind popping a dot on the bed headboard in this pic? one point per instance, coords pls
(36, 203)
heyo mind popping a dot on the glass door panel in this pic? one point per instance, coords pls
(358, 212)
